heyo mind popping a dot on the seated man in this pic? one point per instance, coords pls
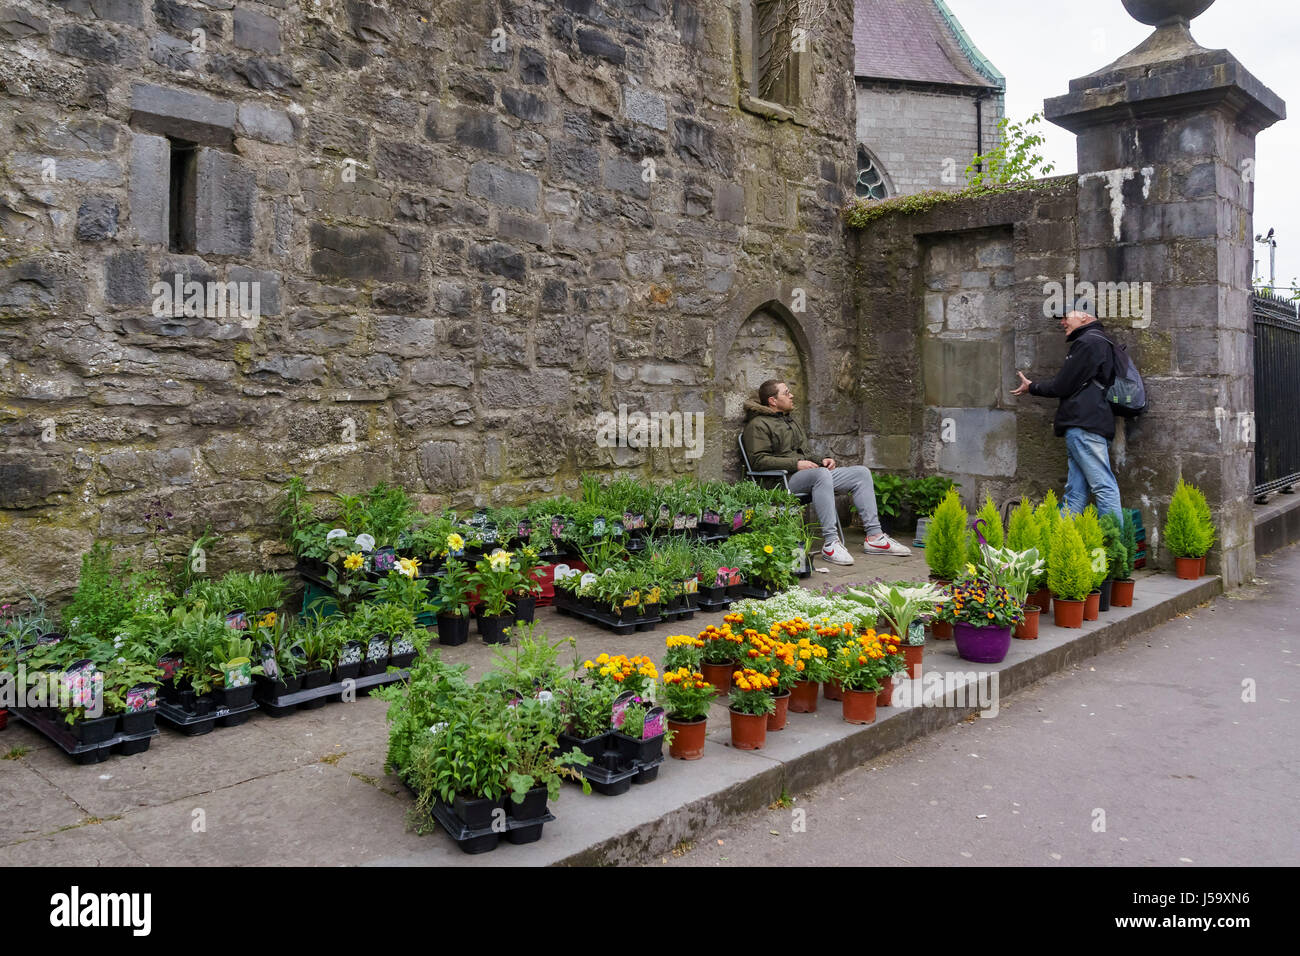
(774, 441)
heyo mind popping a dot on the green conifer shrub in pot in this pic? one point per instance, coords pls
(945, 549)
(1189, 530)
(1121, 594)
(1089, 528)
(1069, 574)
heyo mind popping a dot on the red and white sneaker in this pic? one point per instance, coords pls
(836, 553)
(884, 544)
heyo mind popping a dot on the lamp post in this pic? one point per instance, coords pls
(1270, 240)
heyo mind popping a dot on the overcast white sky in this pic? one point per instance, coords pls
(1040, 45)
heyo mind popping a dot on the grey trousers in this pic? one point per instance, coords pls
(824, 483)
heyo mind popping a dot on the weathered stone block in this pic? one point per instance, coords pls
(126, 279)
(645, 107)
(508, 388)
(625, 176)
(256, 31)
(527, 106)
(96, 219)
(225, 203)
(372, 253)
(498, 259)
(961, 372)
(447, 465)
(183, 114)
(983, 441)
(17, 22)
(499, 184)
(262, 122)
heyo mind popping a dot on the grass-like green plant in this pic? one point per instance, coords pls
(945, 541)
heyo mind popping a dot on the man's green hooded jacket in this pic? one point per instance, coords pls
(774, 441)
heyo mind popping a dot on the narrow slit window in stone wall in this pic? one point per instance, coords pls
(183, 190)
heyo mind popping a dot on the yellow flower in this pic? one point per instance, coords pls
(767, 549)
(354, 561)
(408, 566)
(499, 561)
(588, 665)
(455, 542)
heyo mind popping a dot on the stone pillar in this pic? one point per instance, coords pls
(1166, 167)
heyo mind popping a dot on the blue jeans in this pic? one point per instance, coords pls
(1090, 473)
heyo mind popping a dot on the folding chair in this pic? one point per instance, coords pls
(804, 497)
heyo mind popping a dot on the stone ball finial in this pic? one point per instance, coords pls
(1159, 13)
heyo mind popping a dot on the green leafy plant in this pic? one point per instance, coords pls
(497, 578)
(1128, 537)
(686, 694)
(1069, 570)
(1013, 158)
(1093, 542)
(901, 603)
(1047, 515)
(945, 542)
(924, 494)
(454, 589)
(252, 591)
(533, 757)
(588, 706)
(890, 494)
(103, 596)
(1112, 540)
(1189, 528)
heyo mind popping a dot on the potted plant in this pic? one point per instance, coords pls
(1069, 574)
(535, 765)
(1022, 535)
(454, 589)
(751, 702)
(1112, 542)
(1189, 530)
(589, 711)
(495, 578)
(813, 665)
(233, 670)
(901, 604)
(683, 651)
(319, 647)
(982, 613)
(924, 495)
(988, 526)
(945, 548)
(131, 690)
(722, 650)
(687, 697)
(637, 738)
(860, 667)
(1121, 593)
(1090, 533)
(524, 597)
(1046, 517)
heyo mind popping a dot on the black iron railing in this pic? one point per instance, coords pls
(1277, 393)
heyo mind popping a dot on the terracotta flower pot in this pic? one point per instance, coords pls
(859, 706)
(941, 631)
(748, 731)
(885, 696)
(1202, 565)
(803, 697)
(776, 719)
(688, 738)
(1067, 613)
(912, 653)
(1092, 606)
(719, 675)
(1121, 594)
(1043, 598)
(1188, 569)
(831, 690)
(1027, 630)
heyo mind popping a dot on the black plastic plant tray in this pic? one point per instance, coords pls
(679, 614)
(758, 594)
(193, 724)
(647, 772)
(471, 841)
(608, 621)
(286, 704)
(61, 735)
(721, 605)
(610, 782)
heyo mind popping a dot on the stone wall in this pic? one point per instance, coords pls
(473, 227)
(951, 304)
(923, 138)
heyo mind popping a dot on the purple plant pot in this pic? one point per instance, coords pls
(981, 645)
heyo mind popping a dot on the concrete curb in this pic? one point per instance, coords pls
(768, 779)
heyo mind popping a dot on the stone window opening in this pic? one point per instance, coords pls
(182, 201)
(776, 38)
(871, 182)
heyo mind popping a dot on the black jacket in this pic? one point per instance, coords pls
(1082, 382)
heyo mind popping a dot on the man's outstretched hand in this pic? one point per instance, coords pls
(1024, 384)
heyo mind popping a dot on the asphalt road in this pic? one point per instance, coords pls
(1147, 755)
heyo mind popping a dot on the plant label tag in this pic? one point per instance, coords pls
(238, 673)
(664, 514)
(515, 698)
(632, 521)
(619, 711)
(597, 527)
(524, 530)
(557, 526)
(618, 529)
(691, 585)
(140, 698)
(655, 722)
(489, 534)
(712, 517)
(237, 620)
(723, 579)
(82, 684)
(170, 664)
(738, 521)
(679, 522)
(46, 640)
(692, 522)
(384, 560)
(586, 579)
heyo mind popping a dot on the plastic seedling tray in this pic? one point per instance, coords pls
(723, 604)
(758, 594)
(479, 840)
(193, 724)
(527, 831)
(61, 735)
(647, 772)
(313, 697)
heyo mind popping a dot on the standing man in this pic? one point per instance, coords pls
(774, 441)
(1084, 416)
